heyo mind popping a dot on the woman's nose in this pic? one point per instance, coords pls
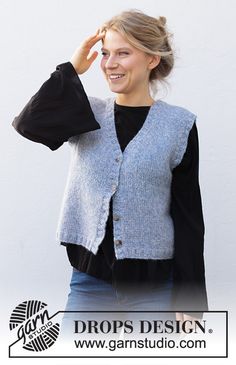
(111, 63)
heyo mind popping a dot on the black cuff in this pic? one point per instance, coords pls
(68, 69)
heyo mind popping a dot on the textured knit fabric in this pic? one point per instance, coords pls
(139, 181)
(128, 121)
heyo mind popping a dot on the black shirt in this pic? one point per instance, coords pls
(60, 110)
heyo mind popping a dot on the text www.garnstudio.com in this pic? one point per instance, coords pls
(163, 342)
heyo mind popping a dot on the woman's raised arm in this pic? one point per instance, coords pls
(60, 109)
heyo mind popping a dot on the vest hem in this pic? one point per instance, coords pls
(121, 253)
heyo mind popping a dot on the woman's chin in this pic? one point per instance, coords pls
(118, 90)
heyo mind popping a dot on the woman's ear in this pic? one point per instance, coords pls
(154, 61)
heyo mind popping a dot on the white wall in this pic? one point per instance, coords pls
(35, 36)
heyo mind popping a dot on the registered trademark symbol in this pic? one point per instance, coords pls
(210, 330)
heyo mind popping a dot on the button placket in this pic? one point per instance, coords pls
(114, 186)
(117, 241)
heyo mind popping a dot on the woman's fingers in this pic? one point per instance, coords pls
(92, 57)
(92, 40)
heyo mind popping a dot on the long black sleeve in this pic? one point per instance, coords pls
(186, 210)
(59, 110)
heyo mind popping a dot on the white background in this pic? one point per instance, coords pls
(35, 36)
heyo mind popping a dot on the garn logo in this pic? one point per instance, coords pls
(34, 326)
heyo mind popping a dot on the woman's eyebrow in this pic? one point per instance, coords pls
(118, 49)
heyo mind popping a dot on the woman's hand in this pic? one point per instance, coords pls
(81, 60)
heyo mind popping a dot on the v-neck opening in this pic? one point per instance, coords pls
(146, 124)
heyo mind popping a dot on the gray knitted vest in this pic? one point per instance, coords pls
(138, 180)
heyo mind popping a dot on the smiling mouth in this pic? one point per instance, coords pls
(115, 77)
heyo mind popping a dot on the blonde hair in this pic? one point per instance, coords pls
(149, 35)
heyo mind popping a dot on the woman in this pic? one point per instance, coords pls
(131, 218)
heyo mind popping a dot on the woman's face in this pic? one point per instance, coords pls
(125, 68)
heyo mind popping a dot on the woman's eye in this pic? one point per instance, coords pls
(120, 53)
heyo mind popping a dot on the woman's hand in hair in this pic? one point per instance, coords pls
(81, 59)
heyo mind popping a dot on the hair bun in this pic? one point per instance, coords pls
(162, 20)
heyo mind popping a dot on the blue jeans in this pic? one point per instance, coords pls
(88, 293)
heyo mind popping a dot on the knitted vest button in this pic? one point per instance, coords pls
(118, 242)
(113, 187)
(115, 217)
